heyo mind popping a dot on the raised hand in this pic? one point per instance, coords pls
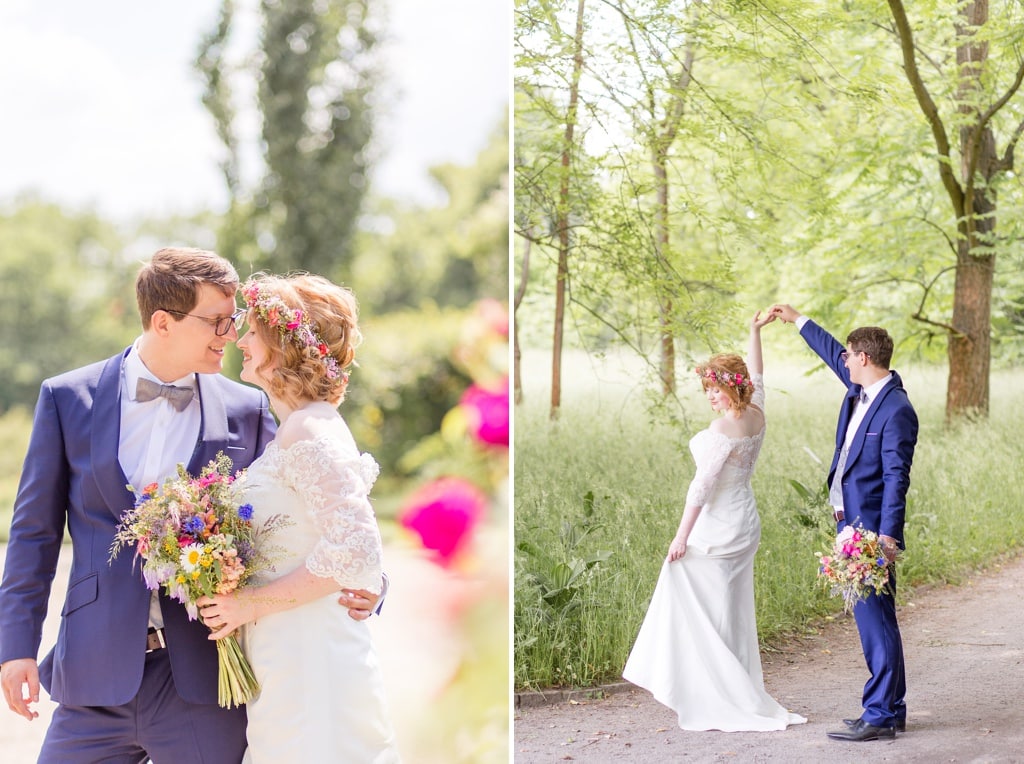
(758, 320)
(786, 313)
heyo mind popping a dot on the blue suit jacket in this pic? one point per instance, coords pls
(72, 477)
(877, 473)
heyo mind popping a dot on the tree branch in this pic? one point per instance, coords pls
(928, 107)
(979, 128)
(1006, 163)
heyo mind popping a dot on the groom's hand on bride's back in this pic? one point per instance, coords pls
(361, 603)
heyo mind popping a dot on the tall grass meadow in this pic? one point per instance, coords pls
(599, 493)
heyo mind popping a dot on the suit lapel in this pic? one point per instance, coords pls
(865, 423)
(104, 440)
(213, 430)
(845, 414)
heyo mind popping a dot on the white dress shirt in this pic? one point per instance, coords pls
(861, 407)
(154, 437)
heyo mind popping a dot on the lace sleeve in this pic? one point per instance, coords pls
(335, 483)
(757, 398)
(709, 467)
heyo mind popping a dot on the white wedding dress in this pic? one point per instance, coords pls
(322, 696)
(697, 650)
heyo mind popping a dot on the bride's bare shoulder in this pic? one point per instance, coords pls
(311, 424)
(747, 425)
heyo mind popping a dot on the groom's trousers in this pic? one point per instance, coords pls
(884, 693)
(156, 725)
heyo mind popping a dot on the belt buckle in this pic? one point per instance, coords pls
(155, 640)
(838, 515)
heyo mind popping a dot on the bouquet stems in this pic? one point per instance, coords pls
(236, 684)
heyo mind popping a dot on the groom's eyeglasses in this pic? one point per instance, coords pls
(221, 326)
(845, 355)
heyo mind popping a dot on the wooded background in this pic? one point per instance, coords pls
(678, 165)
(67, 275)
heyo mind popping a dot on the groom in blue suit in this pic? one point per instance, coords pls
(134, 678)
(868, 482)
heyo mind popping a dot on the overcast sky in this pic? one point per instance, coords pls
(100, 106)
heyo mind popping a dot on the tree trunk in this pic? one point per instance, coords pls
(969, 349)
(562, 215)
(661, 143)
(972, 198)
(520, 293)
(667, 366)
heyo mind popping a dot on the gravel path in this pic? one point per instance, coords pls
(965, 676)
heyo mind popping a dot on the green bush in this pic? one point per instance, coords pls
(404, 385)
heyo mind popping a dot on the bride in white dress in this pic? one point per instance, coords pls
(321, 692)
(697, 650)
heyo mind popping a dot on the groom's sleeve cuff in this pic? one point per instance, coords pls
(383, 593)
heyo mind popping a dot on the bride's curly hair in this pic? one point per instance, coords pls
(728, 372)
(295, 373)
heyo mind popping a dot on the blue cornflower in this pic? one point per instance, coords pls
(194, 525)
(245, 511)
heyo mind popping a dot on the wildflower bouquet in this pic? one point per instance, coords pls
(855, 566)
(196, 538)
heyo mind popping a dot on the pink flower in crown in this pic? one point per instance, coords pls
(295, 322)
(444, 513)
(487, 411)
(273, 315)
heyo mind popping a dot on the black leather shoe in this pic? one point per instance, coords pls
(901, 724)
(861, 730)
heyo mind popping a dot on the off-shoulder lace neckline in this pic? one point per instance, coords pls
(330, 438)
(757, 434)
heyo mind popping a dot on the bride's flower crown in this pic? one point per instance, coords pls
(721, 377)
(292, 325)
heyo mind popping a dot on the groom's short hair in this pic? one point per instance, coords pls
(171, 279)
(875, 342)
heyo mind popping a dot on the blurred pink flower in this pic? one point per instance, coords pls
(487, 413)
(444, 513)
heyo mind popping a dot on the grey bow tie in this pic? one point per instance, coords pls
(148, 390)
(864, 397)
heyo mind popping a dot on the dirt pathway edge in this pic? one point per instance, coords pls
(965, 676)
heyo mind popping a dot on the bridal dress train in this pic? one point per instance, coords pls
(697, 650)
(322, 695)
